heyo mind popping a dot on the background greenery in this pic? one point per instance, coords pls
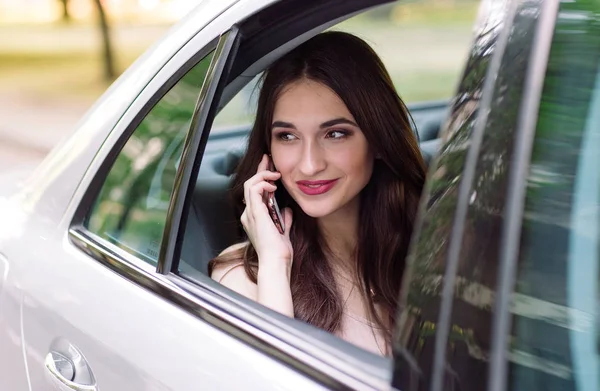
(70, 66)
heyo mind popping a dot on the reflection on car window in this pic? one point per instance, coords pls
(131, 209)
(554, 344)
(423, 281)
(468, 344)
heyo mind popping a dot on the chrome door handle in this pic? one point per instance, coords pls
(67, 369)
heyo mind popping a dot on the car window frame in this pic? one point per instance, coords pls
(194, 145)
(167, 77)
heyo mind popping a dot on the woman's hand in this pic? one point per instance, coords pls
(272, 248)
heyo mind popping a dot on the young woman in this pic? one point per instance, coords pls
(349, 174)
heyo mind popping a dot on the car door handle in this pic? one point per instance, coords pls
(67, 370)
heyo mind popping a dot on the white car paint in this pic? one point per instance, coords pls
(131, 338)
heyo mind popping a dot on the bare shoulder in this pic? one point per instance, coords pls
(229, 262)
(233, 275)
(233, 248)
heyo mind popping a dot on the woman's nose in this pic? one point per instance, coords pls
(312, 161)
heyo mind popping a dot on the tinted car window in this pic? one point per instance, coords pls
(468, 344)
(423, 280)
(131, 208)
(554, 343)
(454, 260)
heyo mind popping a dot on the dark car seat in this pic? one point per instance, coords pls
(212, 225)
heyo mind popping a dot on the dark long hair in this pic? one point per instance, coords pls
(389, 202)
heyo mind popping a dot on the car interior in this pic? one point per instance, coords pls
(212, 224)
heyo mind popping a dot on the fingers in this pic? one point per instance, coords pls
(264, 164)
(254, 195)
(256, 211)
(261, 176)
(254, 199)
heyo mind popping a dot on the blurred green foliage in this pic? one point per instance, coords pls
(131, 208)
(57, 73)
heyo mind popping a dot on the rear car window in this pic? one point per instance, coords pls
(131, 209)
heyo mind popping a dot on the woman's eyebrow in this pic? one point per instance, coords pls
(326, 124)
(281, 124)
(337, 121)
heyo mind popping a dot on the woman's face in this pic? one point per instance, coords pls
(322, 155)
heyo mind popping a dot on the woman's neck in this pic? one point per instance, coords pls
(340, 233)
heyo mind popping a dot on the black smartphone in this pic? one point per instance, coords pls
(271, 202)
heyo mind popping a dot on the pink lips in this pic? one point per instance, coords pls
(316, 187)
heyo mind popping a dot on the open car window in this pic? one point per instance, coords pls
(422, 46)
(212, 223)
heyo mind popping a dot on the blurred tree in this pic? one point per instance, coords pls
(107, 51)
(66, 16)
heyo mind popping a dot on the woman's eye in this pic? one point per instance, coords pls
(337, 134)
(284, 136)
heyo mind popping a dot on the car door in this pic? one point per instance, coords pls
(448, 336)
(95, 314)
(543, 311)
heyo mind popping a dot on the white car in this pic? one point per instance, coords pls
(104, 248)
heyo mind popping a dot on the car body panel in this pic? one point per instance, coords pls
(132, 350)
(11, 345)
(65, 306)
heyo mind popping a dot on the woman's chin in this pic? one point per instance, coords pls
(316, 209)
